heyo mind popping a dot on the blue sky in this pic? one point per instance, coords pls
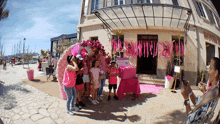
(38, 21)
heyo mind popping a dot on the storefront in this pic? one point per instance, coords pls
(169, 27)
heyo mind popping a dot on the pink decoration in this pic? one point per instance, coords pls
(127, 86)
(182, 49)
(147, 49)
(156, 50)
(144, 49)
(168, 77)
(75, 50)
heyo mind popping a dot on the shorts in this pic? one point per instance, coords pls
(86, 78)
(80, 86)
(114, 86)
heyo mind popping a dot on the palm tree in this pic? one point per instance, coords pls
(3, 13)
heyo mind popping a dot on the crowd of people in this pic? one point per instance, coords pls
(85, 75)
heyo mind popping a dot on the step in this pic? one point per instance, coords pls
(154, 81)
(146, 76)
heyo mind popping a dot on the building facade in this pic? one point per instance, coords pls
(56, 40)
(193, 25)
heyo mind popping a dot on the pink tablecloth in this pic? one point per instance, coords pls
(127, 72)
(127, 86)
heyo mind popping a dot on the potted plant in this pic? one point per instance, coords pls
(169, 75)
(30, 72)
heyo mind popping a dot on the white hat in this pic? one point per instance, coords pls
(79, 57)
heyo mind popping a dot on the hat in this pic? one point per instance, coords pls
(79, 57)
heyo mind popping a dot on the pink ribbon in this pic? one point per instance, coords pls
(147, 50)
(182, 49)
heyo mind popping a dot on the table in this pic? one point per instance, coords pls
(127, 72)
(127, 86)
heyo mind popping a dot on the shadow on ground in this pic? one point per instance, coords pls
(175, 117)
(7, 100)
(107, 110)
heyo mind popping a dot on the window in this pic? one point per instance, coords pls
(116, 2)
(120, 53)
(119, 2)
(219, 53)
(94, 38)
(148, 1)
(199, 8)
(209, 14)
(140, 1)
(95, 5)
(175, 2)
(210, 53)
(176, 51)
(156, 1)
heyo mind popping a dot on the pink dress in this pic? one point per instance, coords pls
(113, 79)
(95, 74)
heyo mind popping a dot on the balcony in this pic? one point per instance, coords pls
(142, 16)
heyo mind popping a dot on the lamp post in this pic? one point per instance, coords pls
(23, 50)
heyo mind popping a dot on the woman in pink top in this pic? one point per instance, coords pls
(95, 80)
(69, 81)
(113, 73)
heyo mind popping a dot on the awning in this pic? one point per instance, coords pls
(143, 15)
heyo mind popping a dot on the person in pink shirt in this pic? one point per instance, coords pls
(95, 80)
(69, 82)
(113, 73)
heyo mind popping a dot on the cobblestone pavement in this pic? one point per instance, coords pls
(21, 103)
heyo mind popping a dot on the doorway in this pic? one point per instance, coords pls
(147, 65)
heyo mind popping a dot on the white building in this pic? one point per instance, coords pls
(157, 21)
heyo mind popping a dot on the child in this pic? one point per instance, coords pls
(113, 73)
(95, 80)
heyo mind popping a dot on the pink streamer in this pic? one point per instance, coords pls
(144, 49)
(182, 49)
(177, 49)
(147, 50)
(156, 50)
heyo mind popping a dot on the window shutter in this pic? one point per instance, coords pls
(209, 14)
(86, 7)
(100, 4)
(197, 8)
(156, 1)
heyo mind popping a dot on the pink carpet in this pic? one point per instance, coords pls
(149, 88)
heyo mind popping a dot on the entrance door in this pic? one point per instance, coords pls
(147, 65)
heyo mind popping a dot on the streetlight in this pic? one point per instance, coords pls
(23, 50)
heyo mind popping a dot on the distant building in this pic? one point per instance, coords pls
(55, 41)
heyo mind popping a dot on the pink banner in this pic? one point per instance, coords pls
(144, 49)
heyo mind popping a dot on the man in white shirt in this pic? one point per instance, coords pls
(54, 61)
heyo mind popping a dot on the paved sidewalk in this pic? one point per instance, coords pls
(24, 104)
(21, 103)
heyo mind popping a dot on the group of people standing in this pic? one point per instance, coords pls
(85, 75)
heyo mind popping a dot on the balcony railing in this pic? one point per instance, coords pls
(144, 15)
